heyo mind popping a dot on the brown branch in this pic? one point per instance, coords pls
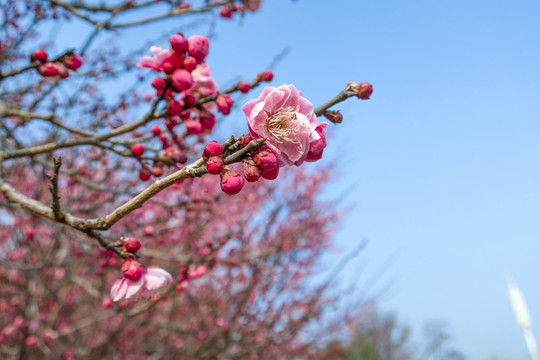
(53, 188)
(33, 65)
(171, 14)
(342, 96)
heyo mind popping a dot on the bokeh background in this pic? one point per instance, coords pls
(439, 169)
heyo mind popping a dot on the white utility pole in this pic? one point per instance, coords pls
(523, 318)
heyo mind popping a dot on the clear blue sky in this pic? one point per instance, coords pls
(444, 160)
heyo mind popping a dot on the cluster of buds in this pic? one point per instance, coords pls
(227, 11)
(55, 68)
(187, 80)
(262, 162)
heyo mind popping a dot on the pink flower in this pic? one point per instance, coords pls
(286, 119)
(152, 280)
(156, 62)
(203, 84)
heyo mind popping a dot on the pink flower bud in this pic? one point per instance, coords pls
(178, 43)
(194, 126)
(364, 91)
(267, 75)
(39, 55)
(189, 100)
(251, 171)
(224, 103)
(190, 63)
(208, 120)
(132, 244)
(107, 303)
(137, 150)
(145, 174)
(270, 175)
(266, 160)
(156, 130)
(214, 165)
(334, 116)
(159, 83)
(132, 269)
(317, 145)
(174, 107)
(73, 61)
(157, 171)
(243, 86)
(231, 182)
(213, 148)
(198, 47)
(48, 69)
(181, 79)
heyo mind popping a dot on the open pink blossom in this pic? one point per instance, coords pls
(286, 119)
(152, 280)
(156, 62)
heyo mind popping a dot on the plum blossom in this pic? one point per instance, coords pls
(156, 62)
(151, 280)
(286, 119)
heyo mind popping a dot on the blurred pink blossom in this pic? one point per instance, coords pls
(156, 62)
(152, 280)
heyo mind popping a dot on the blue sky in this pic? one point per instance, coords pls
(443, 160)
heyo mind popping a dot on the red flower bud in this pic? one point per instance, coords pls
(39, 55)
(225, 11)
(73, 61)
(48, 69)
(178, 43)
(145, 174)
(231, 182)
(270, 175)
(364, 91)
(159, 83)
(208, 120)
(267, 75)
(213, 148)
(224, 103)
(132, 244)
(266, 160)
(214, 165)
(174, 107)
(137, 150)
(132, 269)
(251, 171)
(190, 63)
(156, 130)
(181, 79)
(243, 86)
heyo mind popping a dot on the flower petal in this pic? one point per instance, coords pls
(118, 291)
